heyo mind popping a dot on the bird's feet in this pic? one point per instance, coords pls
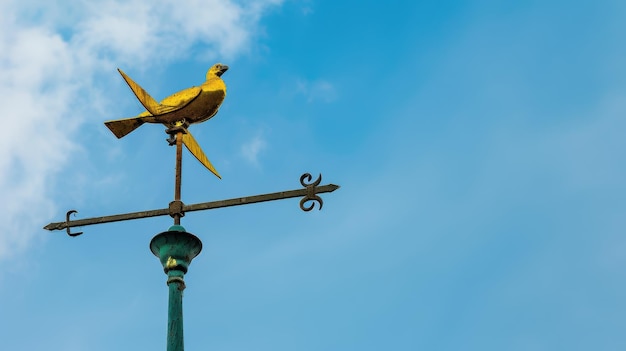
(171, 140)
(173, 132)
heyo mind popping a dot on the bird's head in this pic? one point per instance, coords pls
(217, 70)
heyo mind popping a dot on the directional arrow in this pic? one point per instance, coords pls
(308, 194)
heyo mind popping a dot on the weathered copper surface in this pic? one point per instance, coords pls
(175, 250)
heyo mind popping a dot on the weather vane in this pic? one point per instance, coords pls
(176, 247)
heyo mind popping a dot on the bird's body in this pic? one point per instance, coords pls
(193, 105)
(189, 106)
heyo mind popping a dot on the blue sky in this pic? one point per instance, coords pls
(479, 146)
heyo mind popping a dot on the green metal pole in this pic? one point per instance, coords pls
(175, 339)
(175, 249)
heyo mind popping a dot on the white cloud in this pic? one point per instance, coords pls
(136, 32)
(50, 54)
(250, 150)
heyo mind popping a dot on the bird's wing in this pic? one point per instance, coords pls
(146, 100)
(194, 148)
(179, 100)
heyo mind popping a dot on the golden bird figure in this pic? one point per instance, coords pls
(189, 106)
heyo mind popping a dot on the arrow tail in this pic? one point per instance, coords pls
(193, 147)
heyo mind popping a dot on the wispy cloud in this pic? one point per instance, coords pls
(250, 150)
(317, 90)
(50, 57)
(306, 6)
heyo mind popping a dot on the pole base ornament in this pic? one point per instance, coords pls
(175, 249)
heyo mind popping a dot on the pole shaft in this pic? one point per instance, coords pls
(175, 250)
(175, 340)
(179, 168)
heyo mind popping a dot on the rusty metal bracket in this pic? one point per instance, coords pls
(67, 222)
(311, 192)
(177, 208)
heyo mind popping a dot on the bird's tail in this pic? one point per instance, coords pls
(194, 148)
(121, 127)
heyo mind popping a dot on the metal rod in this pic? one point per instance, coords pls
(107, 219)
(179, 161)
(194, 207)
(258, 198)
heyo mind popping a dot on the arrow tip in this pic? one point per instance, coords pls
(50, 227)
(333, 187)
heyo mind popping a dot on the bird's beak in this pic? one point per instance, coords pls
(222, 70)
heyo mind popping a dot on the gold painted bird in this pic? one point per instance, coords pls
(189, 106)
